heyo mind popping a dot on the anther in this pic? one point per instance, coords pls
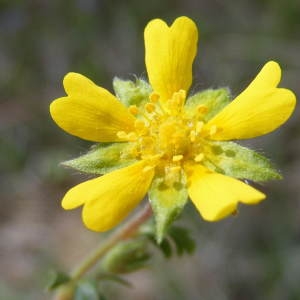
(202, 109)
(154, 97)
(177, 158)
(199, 157)
(150, 107)
(133, 109)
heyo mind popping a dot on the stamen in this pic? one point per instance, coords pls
(154, 97)
(177, 158)
(202, 109)
(133, 109)
(150, 107)
(199, 157)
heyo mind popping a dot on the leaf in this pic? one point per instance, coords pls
(103, 158)
(86, 290)
(182, 240)
(132, 92)
(177, 236)
(167, 200)
(57, 278)
(166, 248)
(214, 100)
(236, 161)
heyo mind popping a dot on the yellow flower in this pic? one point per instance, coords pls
(170, 142)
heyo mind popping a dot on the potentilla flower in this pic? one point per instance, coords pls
(155, 138)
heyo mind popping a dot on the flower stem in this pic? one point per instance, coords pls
(124, 232)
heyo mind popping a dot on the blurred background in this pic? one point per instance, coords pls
(255, 255)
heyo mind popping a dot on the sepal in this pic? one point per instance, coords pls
(213, 100)
(167, 201)
(240, 162)
(132, 92)
(102, 158)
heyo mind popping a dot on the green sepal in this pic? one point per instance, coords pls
(126, 257)
(214, 100)
(240, 162)
(57, 278)
(102, 158)
(132, 92)
(167, 201)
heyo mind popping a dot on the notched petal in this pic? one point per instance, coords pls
(90, 112)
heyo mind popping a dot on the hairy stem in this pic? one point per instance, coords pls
(124, 232)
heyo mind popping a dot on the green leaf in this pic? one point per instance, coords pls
(167, 201)
(132, 92)
(182, 239)
(240, 162)
(57, 279)
(103, 158)
(166, 248)
(126, 257)
(86, 290)
(214, 100)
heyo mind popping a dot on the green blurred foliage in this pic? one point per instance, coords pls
(255, 255)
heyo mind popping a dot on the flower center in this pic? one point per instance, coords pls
(165, 135)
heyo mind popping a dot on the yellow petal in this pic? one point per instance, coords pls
(215, 195)
(109, 199)
(89, 111)
(169, 56)
(258, 110)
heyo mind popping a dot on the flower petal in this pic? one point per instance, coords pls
(110, 198)
(170, 52)
(215, 195)
(260, 109)
(89, 111)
